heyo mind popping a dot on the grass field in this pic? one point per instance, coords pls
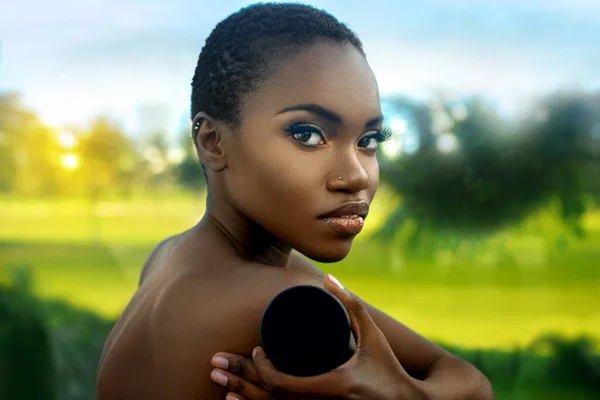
(93, 261)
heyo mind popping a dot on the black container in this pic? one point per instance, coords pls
(305, 331)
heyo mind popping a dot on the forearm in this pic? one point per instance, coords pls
(451, 378)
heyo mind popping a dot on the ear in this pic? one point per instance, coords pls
(208, 140)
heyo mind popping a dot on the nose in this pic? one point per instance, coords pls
(350, 176)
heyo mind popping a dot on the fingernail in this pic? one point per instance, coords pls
(218, 377)
(254, 352)
(220, 362)
(231, 397)
(332, 278)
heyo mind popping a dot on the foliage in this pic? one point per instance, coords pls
(551, 362)
(27, 368)
(95, 161)
(28, 153)
(501, 170)
(108, 158)
(77, 339)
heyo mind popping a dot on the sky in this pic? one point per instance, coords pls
(73, 59)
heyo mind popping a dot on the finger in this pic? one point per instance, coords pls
(362, 324)
(238, 365)
(234, 396)
(239, 386)
(331, 384)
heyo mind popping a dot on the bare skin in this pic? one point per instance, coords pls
(181, 305)
(204, 291)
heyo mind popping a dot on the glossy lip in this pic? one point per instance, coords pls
(360, 208)
(345, 226)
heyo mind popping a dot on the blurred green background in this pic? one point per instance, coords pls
(484, 235)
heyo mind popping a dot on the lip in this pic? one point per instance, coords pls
(347, 219)
(345, 226)
(358, 208)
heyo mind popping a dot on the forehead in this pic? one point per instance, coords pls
(331, 75)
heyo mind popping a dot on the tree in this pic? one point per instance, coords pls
(107, 165)
(477, 172)
(29, 162)
(108, 158)
(26, 366)
(9, 110)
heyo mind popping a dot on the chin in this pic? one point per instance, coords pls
(328, 254)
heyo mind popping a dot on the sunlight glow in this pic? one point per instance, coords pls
(447, 143)
(398, 126)
(67, 140)
(392, 148)
(70, 161)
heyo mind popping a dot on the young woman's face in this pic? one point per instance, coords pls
(306, 146)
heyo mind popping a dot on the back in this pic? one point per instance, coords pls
(186, 309)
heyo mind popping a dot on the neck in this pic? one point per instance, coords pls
(248, 239)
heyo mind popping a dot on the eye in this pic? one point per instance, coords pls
(371, 141)
(368, 143)
(308, 135)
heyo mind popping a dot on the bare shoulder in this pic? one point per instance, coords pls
(160, 251)
(204, 312)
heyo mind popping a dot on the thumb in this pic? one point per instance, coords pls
(277, 382)
(360, 319)
(261, 361)
(266, 370)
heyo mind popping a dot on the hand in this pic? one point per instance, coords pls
(372, 373)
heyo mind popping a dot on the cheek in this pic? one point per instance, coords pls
(275, 175)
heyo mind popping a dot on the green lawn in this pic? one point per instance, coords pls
(487, 304)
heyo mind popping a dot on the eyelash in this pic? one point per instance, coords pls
(380, 136)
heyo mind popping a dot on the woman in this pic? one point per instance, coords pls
(286, 123)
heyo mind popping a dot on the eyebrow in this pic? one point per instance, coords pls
(327, 114)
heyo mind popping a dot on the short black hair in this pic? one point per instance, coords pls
(244, 48)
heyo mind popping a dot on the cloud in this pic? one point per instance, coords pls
(72, 59)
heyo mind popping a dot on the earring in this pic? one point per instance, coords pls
(195, 128)
(340, 178)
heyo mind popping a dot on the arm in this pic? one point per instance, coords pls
(444, 376)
